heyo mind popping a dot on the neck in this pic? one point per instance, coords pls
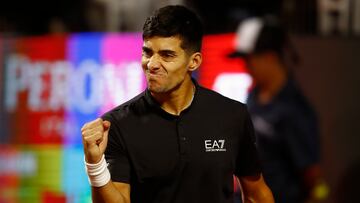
(178, 99)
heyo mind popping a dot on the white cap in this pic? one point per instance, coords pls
(247, 34)
(258, 34)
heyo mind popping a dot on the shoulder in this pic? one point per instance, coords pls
(218, 102)
(217, 98)
(132, 107)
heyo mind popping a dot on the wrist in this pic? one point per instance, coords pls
(98, 173)
(89, 160)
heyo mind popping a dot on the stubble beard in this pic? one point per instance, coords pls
(157, 87)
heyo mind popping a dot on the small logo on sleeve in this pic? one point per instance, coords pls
(215, 146)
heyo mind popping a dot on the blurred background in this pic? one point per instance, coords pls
(63, 63)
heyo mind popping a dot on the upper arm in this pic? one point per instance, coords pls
(116, 153)
(247, 161)
(254, 189)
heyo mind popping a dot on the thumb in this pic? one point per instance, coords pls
(106, 125)
(104, 142)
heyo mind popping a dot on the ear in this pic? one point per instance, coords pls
(195, 61)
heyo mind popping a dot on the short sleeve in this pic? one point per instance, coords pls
(116, 154)
(247, 162)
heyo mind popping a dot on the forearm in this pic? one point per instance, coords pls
(254, 189)
(103, 189)
(95, 138)
(263, 196)
(109, 194)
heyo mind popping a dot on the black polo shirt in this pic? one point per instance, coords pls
(187, 158)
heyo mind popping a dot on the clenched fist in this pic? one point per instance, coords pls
(95, 138)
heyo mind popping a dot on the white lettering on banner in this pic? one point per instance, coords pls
(215, 146)
(134, 75)
(36, 85)
(56, 125)
(15, 80)
(52, 86)
(118, 90)
(111, 82)
(59, 85)
(233, 85)
(24, 163)
(87, 73)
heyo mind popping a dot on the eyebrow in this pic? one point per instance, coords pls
(164, 51)
(146, 49)
(167, 52)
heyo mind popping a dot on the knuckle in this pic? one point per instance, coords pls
(83, 133)
(98, 128)
(98, 134)
(92, 124)
(99, 121)
(84, 127)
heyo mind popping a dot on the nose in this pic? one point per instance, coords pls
(154, 63)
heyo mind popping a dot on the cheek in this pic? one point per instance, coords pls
(181, 66)
(144, 62)
(179, 71)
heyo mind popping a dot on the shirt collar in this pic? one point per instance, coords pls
(153, 103)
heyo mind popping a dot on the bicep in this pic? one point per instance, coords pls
(247, 161)
(116, 155)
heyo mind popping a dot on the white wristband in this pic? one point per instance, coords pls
(98, 174)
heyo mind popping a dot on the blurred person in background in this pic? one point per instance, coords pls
(176, 141)
(285, 123)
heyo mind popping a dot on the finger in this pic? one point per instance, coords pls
(95, 123)
(94, 138)
(95, 129)
(104, 142)
(99, 140)
(90, 131)
(84, 127)
(92, 124)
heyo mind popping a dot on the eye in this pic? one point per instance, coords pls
(146, 52)
(168, 55)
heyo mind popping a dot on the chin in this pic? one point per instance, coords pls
(157, 88)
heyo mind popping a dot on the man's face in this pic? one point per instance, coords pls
(258, 66)
(165, 63)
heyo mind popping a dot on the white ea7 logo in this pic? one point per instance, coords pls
(215, 146)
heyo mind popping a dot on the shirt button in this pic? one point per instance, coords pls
(183, 138)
